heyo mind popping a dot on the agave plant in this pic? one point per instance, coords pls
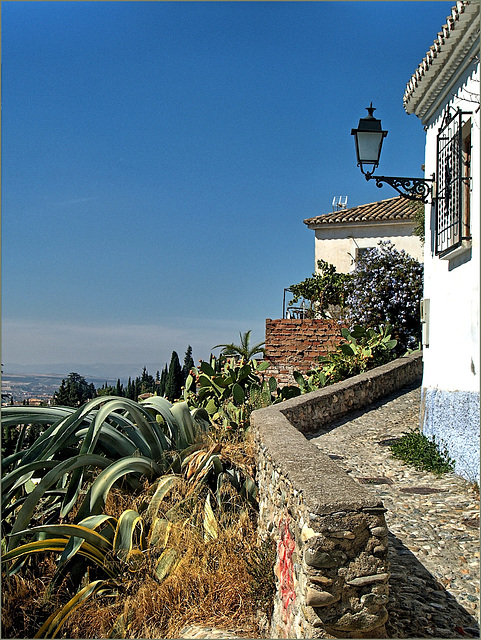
(112, 546)
(122, 438)
(75, 463)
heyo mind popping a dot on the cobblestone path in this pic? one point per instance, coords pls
(433, 522)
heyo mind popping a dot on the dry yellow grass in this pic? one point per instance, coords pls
(210, 585)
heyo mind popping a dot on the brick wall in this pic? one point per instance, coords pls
(294, 345)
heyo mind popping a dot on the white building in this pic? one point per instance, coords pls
(343, 235)
(444, 94)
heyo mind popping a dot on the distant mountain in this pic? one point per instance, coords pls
(91, 372)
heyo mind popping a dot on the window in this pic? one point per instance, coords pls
(452, 184)
(361, 252)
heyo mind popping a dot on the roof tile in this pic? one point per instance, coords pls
(397, 208)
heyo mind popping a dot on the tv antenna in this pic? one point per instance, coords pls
(341, 203)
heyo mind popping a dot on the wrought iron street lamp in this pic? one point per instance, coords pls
(369, 137)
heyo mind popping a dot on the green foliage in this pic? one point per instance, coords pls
(74, 391)
(188, 364)
(423, 453)
(173, 383)
(386, 288)
(245, 350)
(78, 459)
(419, 228)
(229, 389)
(325, 289)
(363, 349)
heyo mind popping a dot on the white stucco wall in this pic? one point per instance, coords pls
(451, 359)
(337, 244)
(452, 286)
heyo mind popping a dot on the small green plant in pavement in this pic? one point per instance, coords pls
(422, 452)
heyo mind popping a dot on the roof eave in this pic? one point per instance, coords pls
(454, 43)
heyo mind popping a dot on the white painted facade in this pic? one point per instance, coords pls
(450, 80)
(339, 244)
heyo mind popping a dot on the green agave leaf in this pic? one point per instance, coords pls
(166, 564)
(165, 484)
(161, 405)
(94, 501)
(128, 522)
(34, 415)
(51, 478)
(185, 422)
(12, 459)
(113, 442)
(111, 406)
(250, 491)
(201, 418)
(57, 545)
(20, 475)
(69, 530)
(53, 624)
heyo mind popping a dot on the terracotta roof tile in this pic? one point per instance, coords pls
(397, 208)
(461, 30)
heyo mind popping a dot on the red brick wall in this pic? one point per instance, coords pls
(294, 345)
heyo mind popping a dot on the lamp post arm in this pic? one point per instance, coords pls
(411, 188)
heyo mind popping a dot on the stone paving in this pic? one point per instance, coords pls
(433, 522)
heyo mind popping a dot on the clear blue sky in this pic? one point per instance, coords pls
(159, 158)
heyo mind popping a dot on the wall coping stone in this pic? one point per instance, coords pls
(345, 396)
(325, 487)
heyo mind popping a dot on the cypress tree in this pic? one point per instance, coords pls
(188, 364)
(163, 380)
(173, 385)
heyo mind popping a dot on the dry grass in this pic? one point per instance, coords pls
(210, 585)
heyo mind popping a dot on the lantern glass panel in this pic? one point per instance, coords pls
(369, 146)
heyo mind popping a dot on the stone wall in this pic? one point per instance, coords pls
(332, 569)
(294, 345)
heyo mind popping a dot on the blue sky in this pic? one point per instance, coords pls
(159, 158)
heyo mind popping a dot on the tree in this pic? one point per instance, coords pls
(386, 288)
(188, 364)
(163, 381)
(173, 384)
(324, 290)
(74, 391)
(244, 349)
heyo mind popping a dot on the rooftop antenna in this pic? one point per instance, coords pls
(340, 205)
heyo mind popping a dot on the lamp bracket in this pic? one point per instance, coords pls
(411, 188)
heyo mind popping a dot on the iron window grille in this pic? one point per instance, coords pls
(452, 181)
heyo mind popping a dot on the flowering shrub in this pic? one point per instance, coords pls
(386, 288)
(324, 290)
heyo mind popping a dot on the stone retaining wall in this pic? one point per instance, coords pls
(332, 569)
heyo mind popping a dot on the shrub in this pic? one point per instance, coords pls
(422, 453)
(386, 288)
(363, 349)
(324, 290)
